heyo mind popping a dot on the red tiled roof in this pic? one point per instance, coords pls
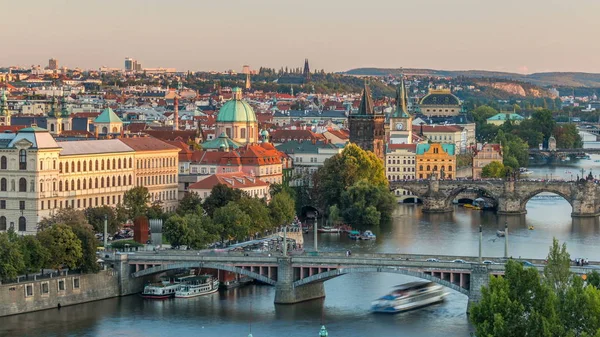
(232, 180)
(411, 147)
(284, 135)
(185, 135)
(11, 128)
(437, 128)
(147, 144)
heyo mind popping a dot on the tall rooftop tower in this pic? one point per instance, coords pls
(306, 72)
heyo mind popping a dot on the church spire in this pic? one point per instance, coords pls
(306, 71)
(248, 83)
(401, 100)
(366, 102)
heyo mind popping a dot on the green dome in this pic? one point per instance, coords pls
(236, 110)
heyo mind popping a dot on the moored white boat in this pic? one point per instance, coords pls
(198, 286)
(410, 296)
(327, 229)
(159, 291)
(368, 235)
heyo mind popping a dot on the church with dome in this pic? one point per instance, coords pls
(237, 120)
(440, 102)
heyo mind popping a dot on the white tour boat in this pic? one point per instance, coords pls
(198, 286)
(410, 296)
(165, 289)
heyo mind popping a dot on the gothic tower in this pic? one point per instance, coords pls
(4, 113)
(306, 72)
(401, 121)
(367, 128)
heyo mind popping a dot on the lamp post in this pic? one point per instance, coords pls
(285, 241)
(315, 231)
(105, 230)
(506, 239)
(480, 241)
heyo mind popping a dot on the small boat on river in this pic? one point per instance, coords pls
(327, 229)
(354, 235)
(500, 233)
(368, 235)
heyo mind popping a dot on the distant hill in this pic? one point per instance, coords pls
(571, 79)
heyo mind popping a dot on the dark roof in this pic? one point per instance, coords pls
(440, 97)
(147, 144)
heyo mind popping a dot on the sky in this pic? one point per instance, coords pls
(523, 36)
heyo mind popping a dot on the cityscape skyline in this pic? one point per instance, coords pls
(335, 36)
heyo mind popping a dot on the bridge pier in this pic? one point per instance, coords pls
(584, 200)
(480, 277)
(435, 201)
(287, 293)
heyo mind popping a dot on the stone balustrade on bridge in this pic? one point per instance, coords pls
(510, 196)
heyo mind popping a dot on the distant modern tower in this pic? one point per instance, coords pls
(248, 83)
(4, 113)
(306, 72)
(176, 113)
(129, 64)
(367, 129)
(53, 64)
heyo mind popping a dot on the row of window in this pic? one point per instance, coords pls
(394, 162)
(157, 180)
(77, 185)
(100, 201)
(155, 163)
(22, 161)
(435, 168)
(22, 185)
(426, 176)
(89, 165)
(45, 287)
(404, 169)
(22, 224)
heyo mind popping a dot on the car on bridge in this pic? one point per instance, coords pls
(459, 261)
(527, 264)
(432, 260)
(490, 262)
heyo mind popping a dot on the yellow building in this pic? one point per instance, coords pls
(38, 175)
(489, 153)
(436, 158)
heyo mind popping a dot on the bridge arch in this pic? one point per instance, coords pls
(219, 266)
(394, 270)
(452, 194)
(526, 197)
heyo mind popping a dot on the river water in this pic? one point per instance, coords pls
(345, 310)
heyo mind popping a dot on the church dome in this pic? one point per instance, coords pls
(236, 110)
(440, 97)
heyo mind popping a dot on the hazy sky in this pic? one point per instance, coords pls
(506, 35)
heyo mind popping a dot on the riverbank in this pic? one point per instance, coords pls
(57, 292)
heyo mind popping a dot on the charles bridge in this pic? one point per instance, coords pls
(510, 196)
(300, 277)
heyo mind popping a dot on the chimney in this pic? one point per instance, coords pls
(96, 131)
(176, 114)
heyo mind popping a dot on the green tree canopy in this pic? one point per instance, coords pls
(346, 169)
(136, 202)
(494, 169)
(282, 209)
(190, 203)
(220, 195)
(366, 205)
(66, 216)
(258, 211)
(231, 222)
(11, 258)
(35, 256)
(95, 217)
(191, 229)
(63, 246)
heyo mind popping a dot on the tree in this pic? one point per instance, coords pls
(593, 279)
(63, 246)
(365, 205)
(231, 222)
(190, 203)
(89, 244)
(11, 261)
(177, 230)
(334, 215)
(516, 305)
(258, 211)
(494, 169)
(95, 217)
(557, 273)
(136, 201)
(220, 195)
(282, 208)
(65, 216)
(344, 170)
(35, 256)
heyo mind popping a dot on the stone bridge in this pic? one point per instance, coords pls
(300, 277)
(511, 197)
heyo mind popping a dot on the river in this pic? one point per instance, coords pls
(345, 310)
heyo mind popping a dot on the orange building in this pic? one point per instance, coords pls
(436, 158)
(489, 153)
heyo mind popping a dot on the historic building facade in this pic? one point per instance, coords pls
(237, 120)
(39, 176)
(400, 123)
(435, 158)
(489, 153)
(440, 102)
(367, 129)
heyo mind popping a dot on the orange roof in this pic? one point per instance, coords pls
(411, 147)
(11, 128)
(437, 128)
(232, 180)
(301, 134)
